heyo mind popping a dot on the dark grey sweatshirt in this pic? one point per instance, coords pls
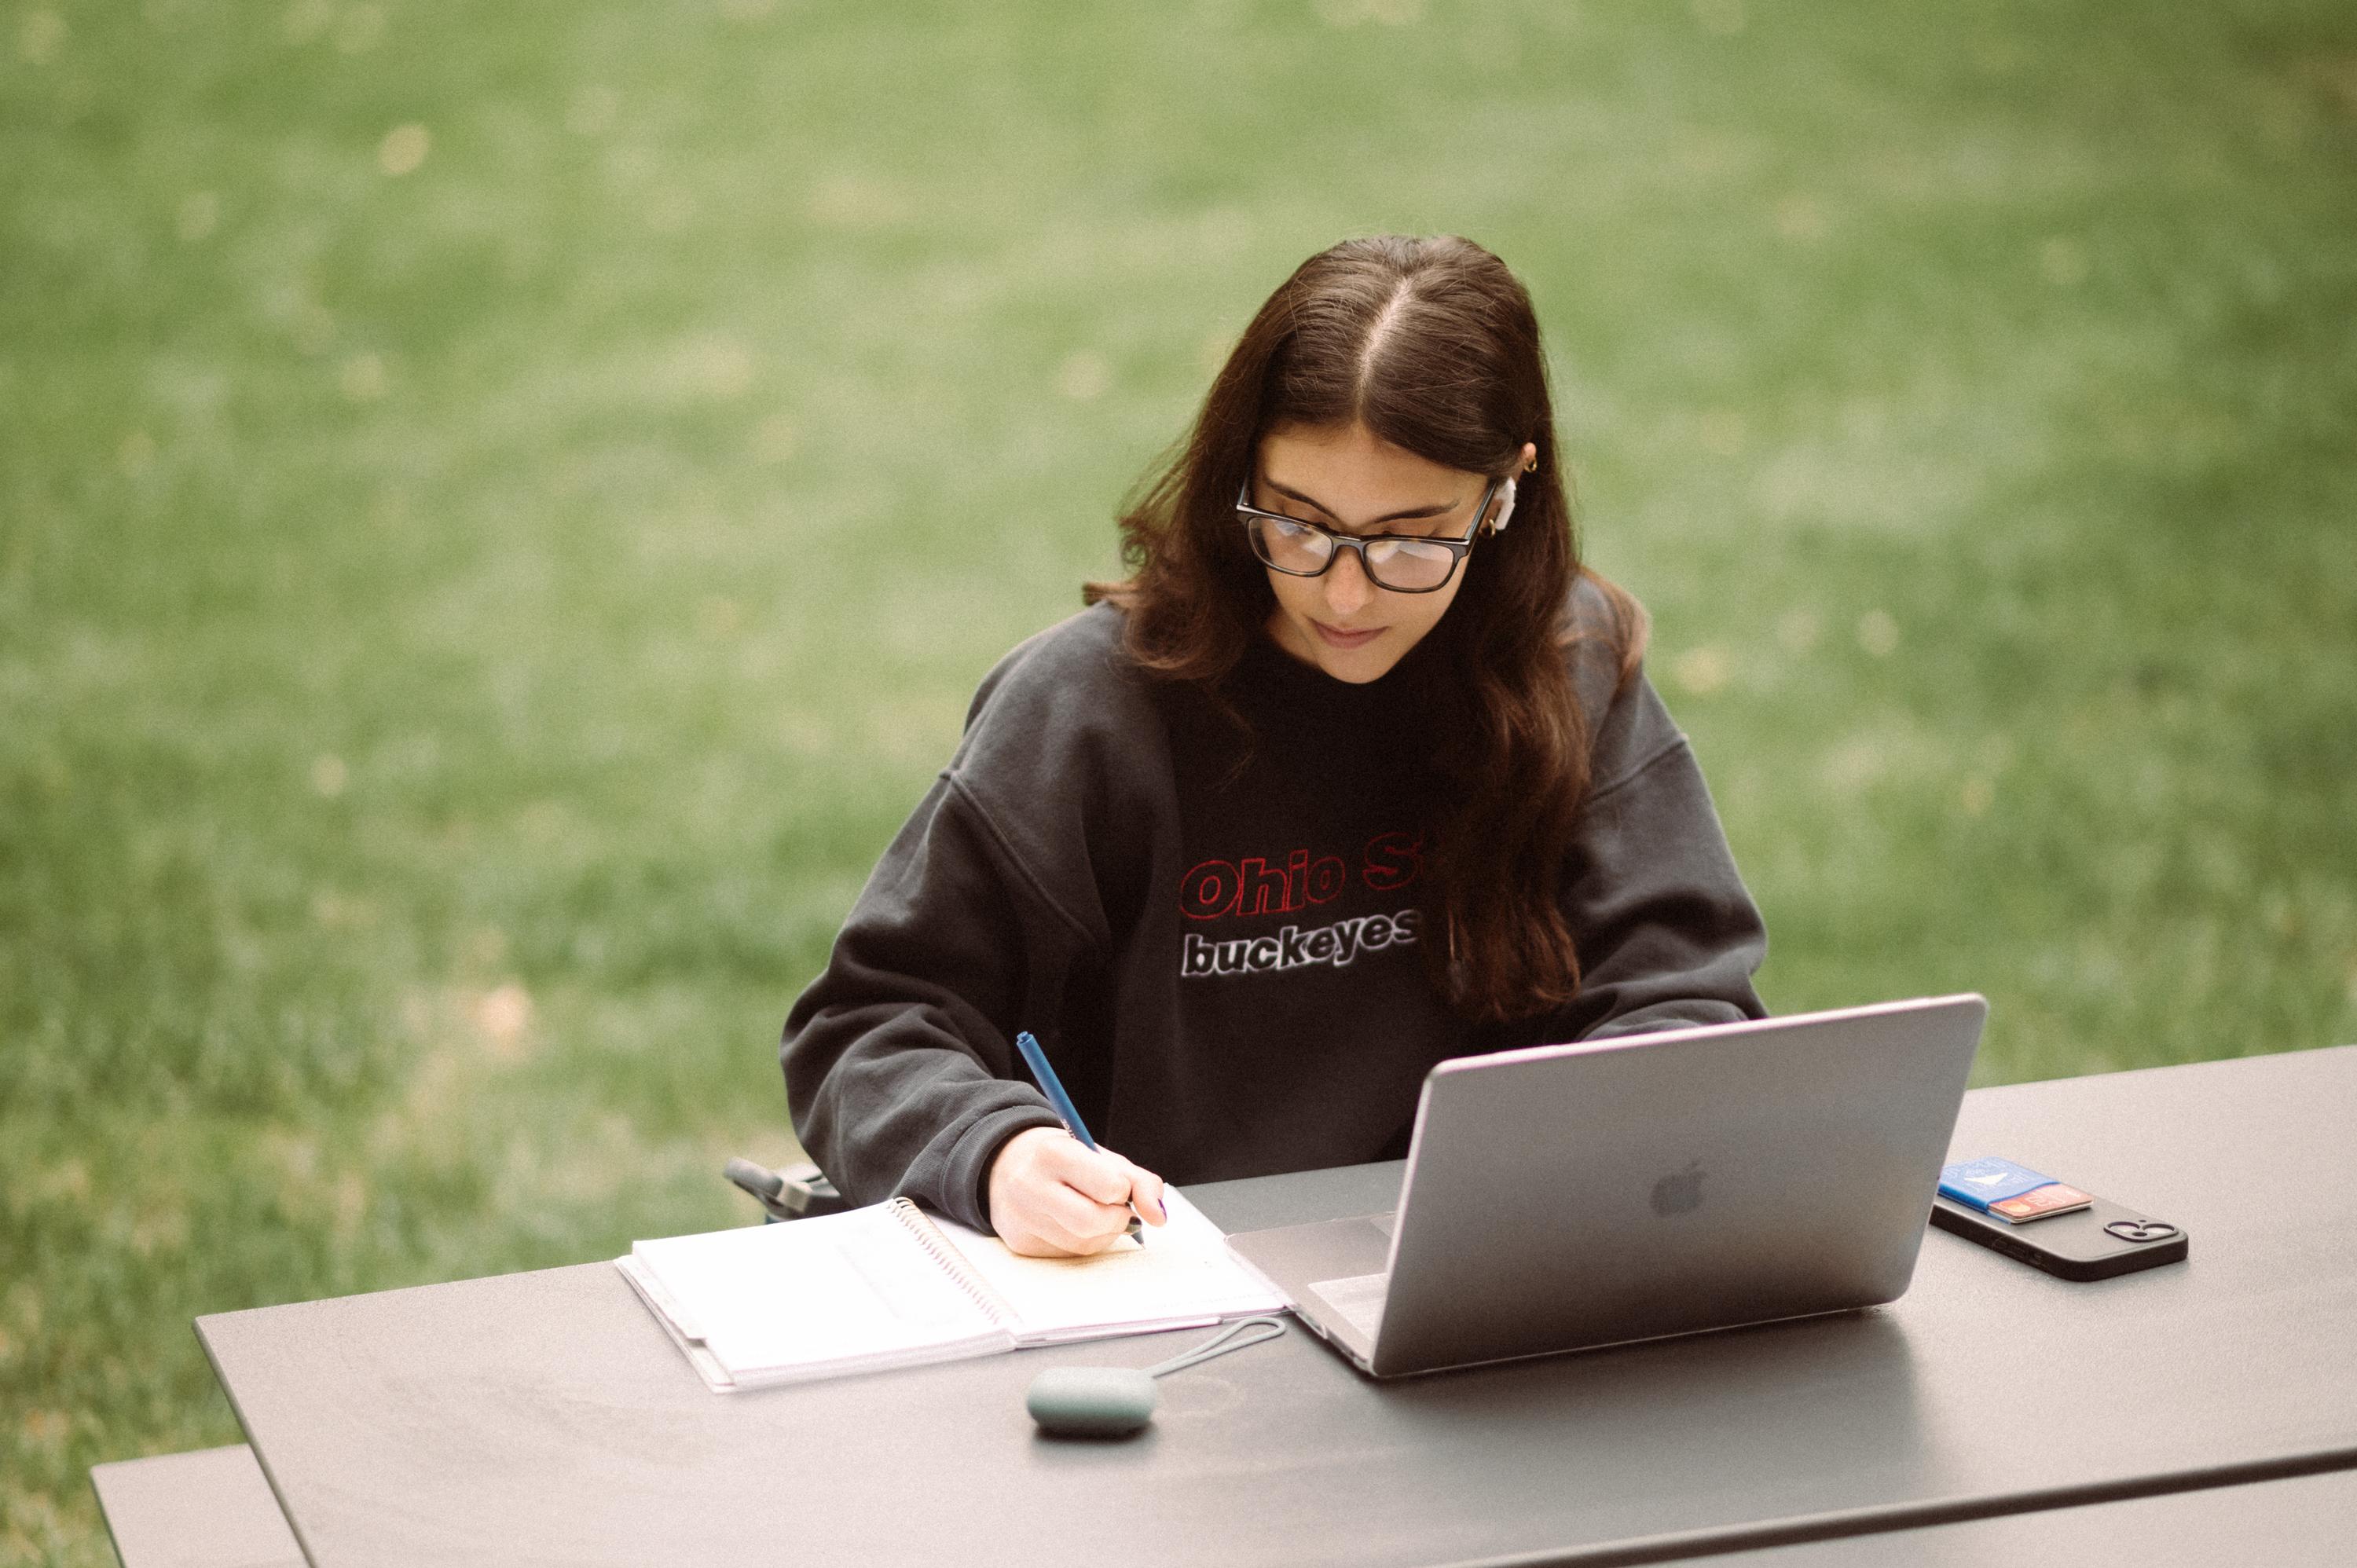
(1212, 932)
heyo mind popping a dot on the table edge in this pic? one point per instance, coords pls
(1888, 1518)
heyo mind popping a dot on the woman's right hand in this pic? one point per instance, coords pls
(1052, 1197)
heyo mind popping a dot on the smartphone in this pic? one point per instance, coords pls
(2094, 1243)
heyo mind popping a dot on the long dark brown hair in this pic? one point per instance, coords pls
(1432, 345)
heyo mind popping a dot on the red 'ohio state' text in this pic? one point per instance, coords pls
(1215, 889)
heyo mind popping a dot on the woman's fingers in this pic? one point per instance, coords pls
(1116, 1183)
(1112, 1180)
(1145, 1195)
(1049, 1194)
(1037, 1204)
(1044, 1238)
(1100, 1176)
(1066, 1221)
(1079, 1218)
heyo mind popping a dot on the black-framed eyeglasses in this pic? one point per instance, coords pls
(1404, 562)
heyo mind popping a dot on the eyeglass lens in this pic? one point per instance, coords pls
(1297, 547)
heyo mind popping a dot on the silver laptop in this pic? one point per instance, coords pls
(1570, 1197)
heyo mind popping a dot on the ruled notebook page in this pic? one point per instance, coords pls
(854, 1292)
(1181, 1274)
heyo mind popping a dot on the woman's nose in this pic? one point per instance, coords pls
(1346, 588)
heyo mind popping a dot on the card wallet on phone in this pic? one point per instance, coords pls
(2048, 1225)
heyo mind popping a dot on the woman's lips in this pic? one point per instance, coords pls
(1336, 638)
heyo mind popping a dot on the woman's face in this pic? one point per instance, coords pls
(1352, 481)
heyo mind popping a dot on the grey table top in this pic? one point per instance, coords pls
(210, 1509)
(2303, 1522)
(545, 1418)
(213, 1510)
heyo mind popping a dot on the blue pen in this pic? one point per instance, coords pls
(1066, 1112)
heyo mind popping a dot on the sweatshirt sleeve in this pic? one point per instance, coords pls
(899, 1063)
(898, 1058)
(1665, 932)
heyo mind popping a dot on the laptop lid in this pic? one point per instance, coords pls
(1568, 1196)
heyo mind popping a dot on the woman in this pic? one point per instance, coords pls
(1357, 772)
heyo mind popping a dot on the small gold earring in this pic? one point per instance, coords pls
(1531, 467)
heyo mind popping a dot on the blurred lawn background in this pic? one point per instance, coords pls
(501, 509)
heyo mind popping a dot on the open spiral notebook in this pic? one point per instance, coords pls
(891, 1285)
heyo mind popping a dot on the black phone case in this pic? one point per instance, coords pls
(2073, 1246)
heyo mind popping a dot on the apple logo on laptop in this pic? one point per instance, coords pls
(1679, 1193)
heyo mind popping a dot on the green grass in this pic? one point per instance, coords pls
(474, 603)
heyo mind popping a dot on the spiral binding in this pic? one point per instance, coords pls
(937, 1246)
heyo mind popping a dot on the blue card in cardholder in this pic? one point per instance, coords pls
(1976, 1184)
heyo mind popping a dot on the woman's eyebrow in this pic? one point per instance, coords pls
(1410, 515)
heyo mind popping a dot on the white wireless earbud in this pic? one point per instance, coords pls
(1505, 506)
